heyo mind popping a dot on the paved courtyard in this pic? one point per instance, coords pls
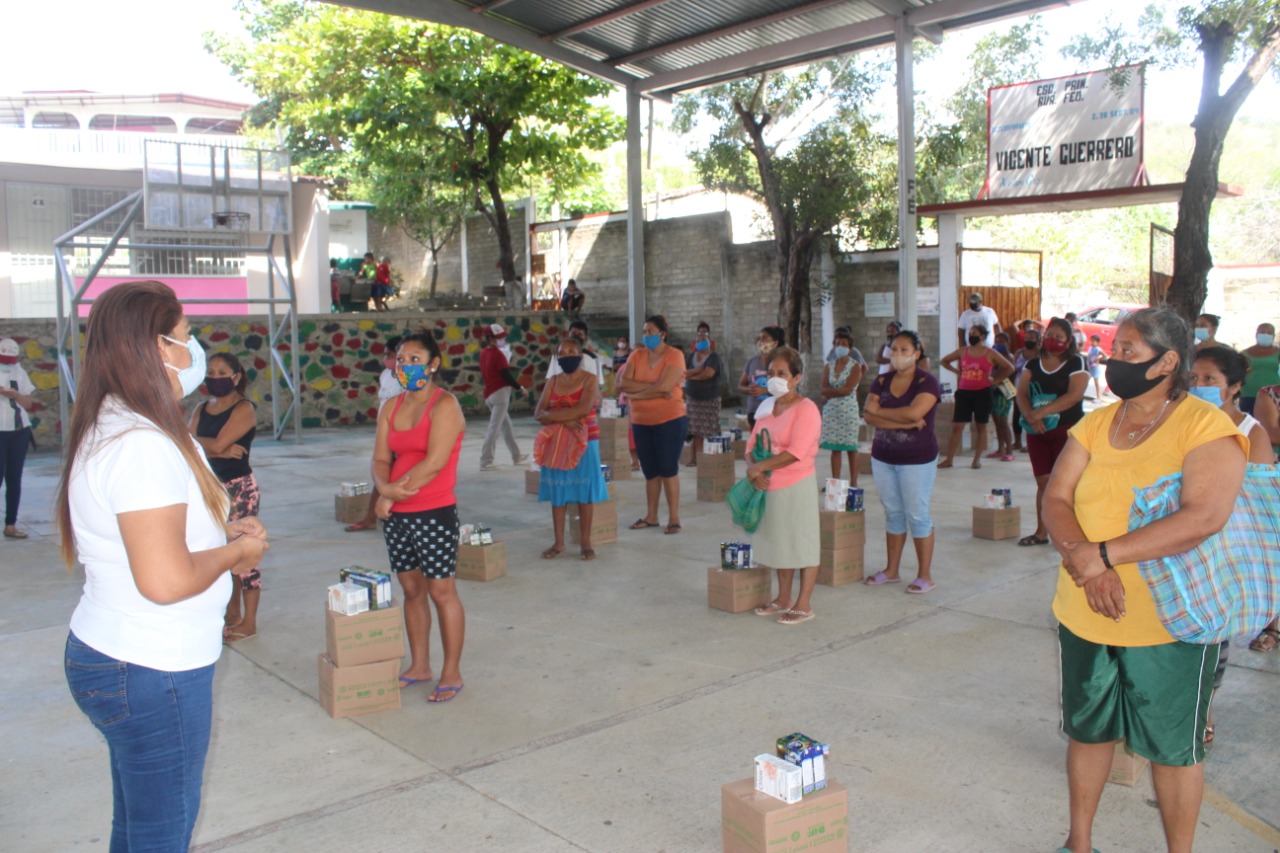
(605, 703)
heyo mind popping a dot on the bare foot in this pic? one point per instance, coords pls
(976, 464)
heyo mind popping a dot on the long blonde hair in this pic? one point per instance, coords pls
(121, 359)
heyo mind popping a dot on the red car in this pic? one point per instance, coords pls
(1102, 320)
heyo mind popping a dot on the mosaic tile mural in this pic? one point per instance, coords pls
(339, 363)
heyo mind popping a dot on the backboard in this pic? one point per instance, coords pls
(192, 186)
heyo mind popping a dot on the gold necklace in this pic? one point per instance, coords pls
(1135, 435)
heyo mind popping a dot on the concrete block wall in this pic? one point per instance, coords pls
(413, 259)
(340, 360)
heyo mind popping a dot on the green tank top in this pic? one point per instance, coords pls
(1263, 371)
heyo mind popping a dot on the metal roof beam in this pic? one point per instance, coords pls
(927, 21)
(722, 32)
(604, 18)
(455, 14)
(490, 6)
(878, 30)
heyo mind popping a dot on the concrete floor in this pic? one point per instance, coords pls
(605, 703)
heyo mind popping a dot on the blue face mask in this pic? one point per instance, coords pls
(652, 341)
(1202, 334)
(702, 346)
(413, 377)
(1208, 393)
(840, 352)
(1265, 340)
(190, 378)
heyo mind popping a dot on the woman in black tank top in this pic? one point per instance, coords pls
(225, 427)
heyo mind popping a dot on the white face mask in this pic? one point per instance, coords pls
(778, 387)
(902, 362)
(190, 378)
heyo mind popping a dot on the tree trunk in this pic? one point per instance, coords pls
(435, 270)
(796, 312)
(1192, 259)
(497, 216)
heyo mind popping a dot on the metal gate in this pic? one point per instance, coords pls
(1009, 280)
(1160, 267)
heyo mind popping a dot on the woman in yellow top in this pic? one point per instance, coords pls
(1123, 676)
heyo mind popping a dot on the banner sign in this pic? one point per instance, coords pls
(1064, 135)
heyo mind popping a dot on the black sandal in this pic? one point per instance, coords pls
(1032, 540)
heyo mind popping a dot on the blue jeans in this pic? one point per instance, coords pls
(13, 455)
(905, 491)
(157, 729)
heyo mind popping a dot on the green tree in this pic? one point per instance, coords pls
(1000, 58)
(362, 91)
(800, 143)
(1221, 33)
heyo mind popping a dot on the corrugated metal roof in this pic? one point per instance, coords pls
(666, 46)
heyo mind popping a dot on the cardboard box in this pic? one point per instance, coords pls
(531, 480)
(997, 523)
(615, 451)
(604, 524)
(716, 466)
(839, 530)
(739, 448)
(350, 508)
(346, 691)
(740, 422)
(1126, 766)
(369, 637)
(841, 567)
(714, 491)
(739, 590)
(686, 455)
(752, 822)
(622, 469)
(614, 429)
(482, 562)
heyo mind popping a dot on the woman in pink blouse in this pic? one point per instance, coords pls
(787, 537)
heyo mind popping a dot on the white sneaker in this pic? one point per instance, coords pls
(521, 459)
(489, 467)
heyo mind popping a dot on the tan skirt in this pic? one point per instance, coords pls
(787, 537)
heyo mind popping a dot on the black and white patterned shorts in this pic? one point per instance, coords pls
(426, 540)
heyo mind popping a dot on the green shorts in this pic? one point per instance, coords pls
(1155, 697)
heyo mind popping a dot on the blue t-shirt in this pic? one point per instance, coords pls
(906, 446)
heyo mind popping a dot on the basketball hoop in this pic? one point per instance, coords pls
(230, 220)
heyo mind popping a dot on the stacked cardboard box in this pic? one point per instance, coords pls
(842, 538)
(482, 562)
(359, 670)
(604, 523)
(997, 523)
(532, 477)
(615, 449)
(753, 822)
(738, 590)
(716, 475)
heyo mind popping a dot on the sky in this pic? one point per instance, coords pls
(150, 46)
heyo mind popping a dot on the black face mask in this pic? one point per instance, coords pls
(1128, 380)
(974, 340)
(569, 363)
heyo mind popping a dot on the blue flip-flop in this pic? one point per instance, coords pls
(444, 688)
(1065, 850)
(406, 681)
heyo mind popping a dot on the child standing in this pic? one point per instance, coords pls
(1096, 358)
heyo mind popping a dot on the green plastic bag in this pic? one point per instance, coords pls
(746, 502)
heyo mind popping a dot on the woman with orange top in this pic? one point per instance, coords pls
(570, 398)
(415, 467)
(652, 382)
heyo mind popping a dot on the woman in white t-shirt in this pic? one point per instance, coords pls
(140, 508)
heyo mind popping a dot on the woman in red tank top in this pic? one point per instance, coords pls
(415, 467)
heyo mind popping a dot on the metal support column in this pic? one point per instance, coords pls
(635, 218)
(950, 239)
(906, 174)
